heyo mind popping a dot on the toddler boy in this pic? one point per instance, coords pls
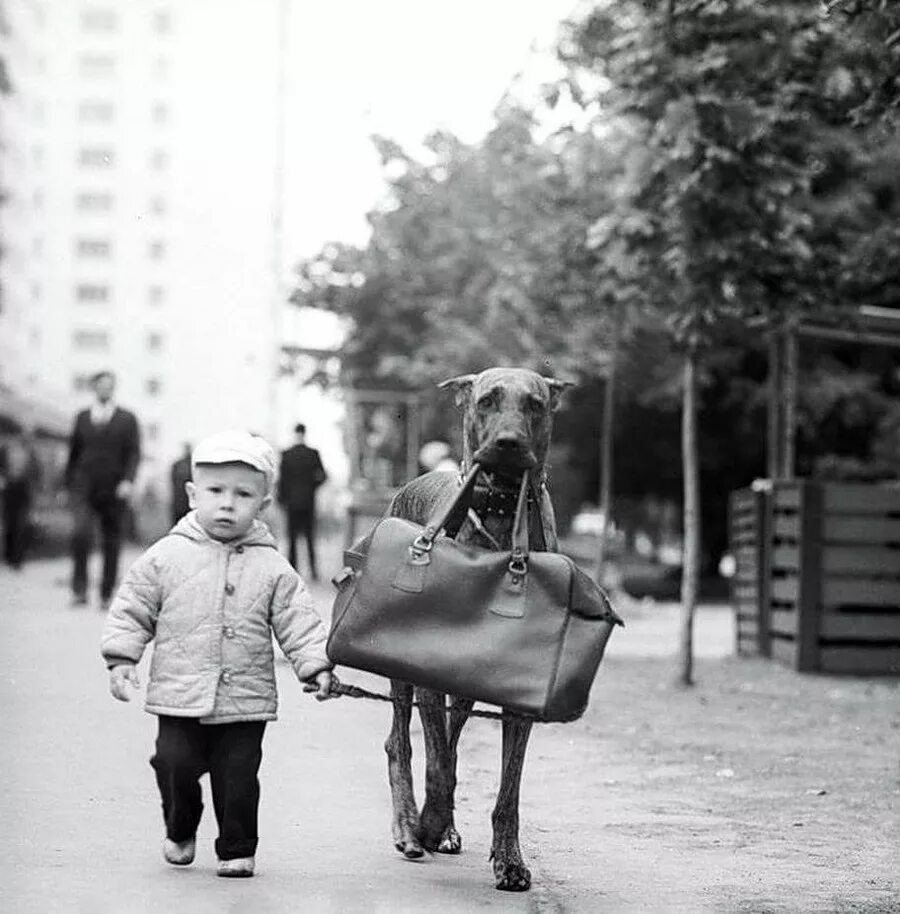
(209, 594)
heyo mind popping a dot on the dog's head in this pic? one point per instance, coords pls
(507, 416)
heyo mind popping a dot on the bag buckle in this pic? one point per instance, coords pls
(518, 566)
(420, 549)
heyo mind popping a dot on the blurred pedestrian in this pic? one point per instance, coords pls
(104, 452)
(300, 477)
(437, 455)
(180, 474)
(19, 476)
(210, 595)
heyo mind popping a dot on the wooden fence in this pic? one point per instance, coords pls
(828, 555)
(749, 585)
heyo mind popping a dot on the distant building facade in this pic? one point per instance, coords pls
(140, 226)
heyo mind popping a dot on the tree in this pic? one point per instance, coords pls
(715, 216)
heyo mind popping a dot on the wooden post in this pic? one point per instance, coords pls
(789, 428)
(773, 413)
(764, 546)
(606, 450)
(809, 597)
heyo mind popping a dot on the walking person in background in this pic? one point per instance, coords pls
(19, 472)
(104, 452)
(180, 474)
(301, 475)
(210, 595)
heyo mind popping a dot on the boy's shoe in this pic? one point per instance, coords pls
(239, 868)
(179, 853)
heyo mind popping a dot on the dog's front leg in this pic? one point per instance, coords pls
(437, 810)
(399, 752)
(451, 841)
(510, 872)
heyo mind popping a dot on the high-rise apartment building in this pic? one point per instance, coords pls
(140, 157)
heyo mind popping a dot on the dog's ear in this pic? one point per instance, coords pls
(557, 388)
(461, 387)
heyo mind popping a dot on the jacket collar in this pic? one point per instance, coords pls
(258, 534)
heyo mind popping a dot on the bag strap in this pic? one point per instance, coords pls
(438, 520)
(520, 545)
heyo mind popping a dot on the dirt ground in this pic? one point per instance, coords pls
(758, 790)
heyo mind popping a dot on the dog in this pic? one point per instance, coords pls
(507, 419)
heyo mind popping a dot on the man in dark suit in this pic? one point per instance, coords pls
(104, 452)
(301, 475)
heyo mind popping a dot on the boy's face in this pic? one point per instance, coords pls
(227, 497)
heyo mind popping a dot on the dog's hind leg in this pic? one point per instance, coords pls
(451, 840)
(399, 752)
(437, 810)
(510, 872)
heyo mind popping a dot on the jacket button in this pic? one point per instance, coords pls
(226, 676)
(229, 589)
(229, 631)
(239, 549)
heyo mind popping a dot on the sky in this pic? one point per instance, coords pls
(401, 68)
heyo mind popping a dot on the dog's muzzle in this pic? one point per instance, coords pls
(505, 454)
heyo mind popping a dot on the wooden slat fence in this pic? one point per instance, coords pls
(746, 524)
(830, 553)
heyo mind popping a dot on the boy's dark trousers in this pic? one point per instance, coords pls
(231, 753)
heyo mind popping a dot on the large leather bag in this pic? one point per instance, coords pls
(522, 630)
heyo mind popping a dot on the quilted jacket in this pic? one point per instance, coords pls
(211, 608)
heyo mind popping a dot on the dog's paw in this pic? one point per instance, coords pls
(410, 849)
(451, 842)
(433, 825)
(406, 842)
(512, 877)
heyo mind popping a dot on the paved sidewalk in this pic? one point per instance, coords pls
(82, 825)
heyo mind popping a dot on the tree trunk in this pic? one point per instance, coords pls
(606, 450)
(691, 550)
(789, 431)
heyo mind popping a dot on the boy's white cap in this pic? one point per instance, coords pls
(238, 447)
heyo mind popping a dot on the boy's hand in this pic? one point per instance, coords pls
(322, 684)
(119, 677)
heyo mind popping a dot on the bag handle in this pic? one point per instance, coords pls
(518, 559)
(425, 540)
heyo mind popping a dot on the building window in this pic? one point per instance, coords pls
(162, 22)
(37, 247)
(35, 291)
(91, 292)
(37, 200)
(82, 381)
(157, 250)
(98, 19)
(96, 112)
(91, 340)
(96, 66)
(94, 202)
(37, 155)
(159, 160)
(151, 431)
(154, 341)
(153, 386)
(157, 205)
(93, 247)
(95, 157)
(160, 113)
(156, 295)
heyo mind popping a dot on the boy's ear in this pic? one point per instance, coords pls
(265, 504)
(191, 490)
